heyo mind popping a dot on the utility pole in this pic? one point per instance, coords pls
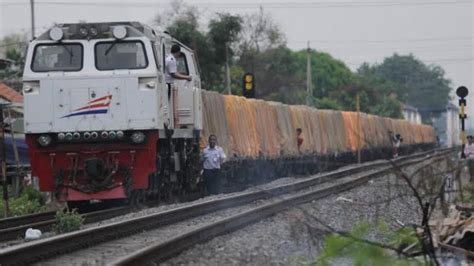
(4, 163)
(32, 9)
(16, 182)
(309, 89)
(359, 141)
(462, 92)
(227, 70)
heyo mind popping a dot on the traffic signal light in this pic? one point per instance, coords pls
(248, 85)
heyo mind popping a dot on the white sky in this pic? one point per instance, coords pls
(354, 31)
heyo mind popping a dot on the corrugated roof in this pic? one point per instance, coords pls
(10, 94)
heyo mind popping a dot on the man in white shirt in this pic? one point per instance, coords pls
(171, 73)
(212, 156)
(469, 152)
(171, 68)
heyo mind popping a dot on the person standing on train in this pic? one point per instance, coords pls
(299, 138)
(171, 68)
(469, 152)
(212, 157)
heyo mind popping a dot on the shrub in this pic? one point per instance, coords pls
(68, 221)
(30, 201)
(34, 195)
(362, 253)
(23, 206)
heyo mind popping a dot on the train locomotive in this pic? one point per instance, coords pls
(101, 124)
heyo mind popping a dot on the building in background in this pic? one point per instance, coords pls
(411, 114)
(15, 145)
(446, 124)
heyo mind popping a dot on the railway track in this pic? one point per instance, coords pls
(15, 227)
(30, 252)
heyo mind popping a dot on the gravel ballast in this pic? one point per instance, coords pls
(283, 239)
(109, 251)
(275, 240)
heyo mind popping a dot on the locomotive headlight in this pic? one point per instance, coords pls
(94, 135)
(120, 134)
(112, 135)
(87, 135)
(76, 135)
(137, 137)
(69, 136)
(44, 140)
(104, 134)
(83, 32)
(61, 136)
(93, 32)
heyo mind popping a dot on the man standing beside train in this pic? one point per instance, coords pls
(469, 152)
(212, 157)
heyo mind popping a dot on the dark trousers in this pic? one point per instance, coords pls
(470, 165)
(169, 90)
(212, 180)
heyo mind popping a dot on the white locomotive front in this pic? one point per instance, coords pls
(100, 122)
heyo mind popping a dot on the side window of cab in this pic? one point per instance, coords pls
(182, 64)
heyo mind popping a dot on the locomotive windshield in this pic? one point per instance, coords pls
(57, 57)
(120, 55)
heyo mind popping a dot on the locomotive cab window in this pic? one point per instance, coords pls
(182, 64)
(57, 57)
(120, 55)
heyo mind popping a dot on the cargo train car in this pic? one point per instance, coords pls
(260, 137)
(101, 124)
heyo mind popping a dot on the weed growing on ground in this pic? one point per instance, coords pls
(30, 201)
(357, 251)
(68, 221)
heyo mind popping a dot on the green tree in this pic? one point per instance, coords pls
(376, 95)
(330, 78)
(14, 46)
(415, 83)
(275, 73)
(186, 31)
(222, 35)
(223, 32)
(254, 43)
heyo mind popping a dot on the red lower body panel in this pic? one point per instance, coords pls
(70, 194)
(93, 170)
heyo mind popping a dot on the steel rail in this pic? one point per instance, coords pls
(25, 219)
(45, 225)
(44, 248)
(162, 251)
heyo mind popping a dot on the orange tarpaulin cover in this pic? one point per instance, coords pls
(251, 128)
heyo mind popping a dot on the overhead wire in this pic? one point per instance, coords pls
(284, 4)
